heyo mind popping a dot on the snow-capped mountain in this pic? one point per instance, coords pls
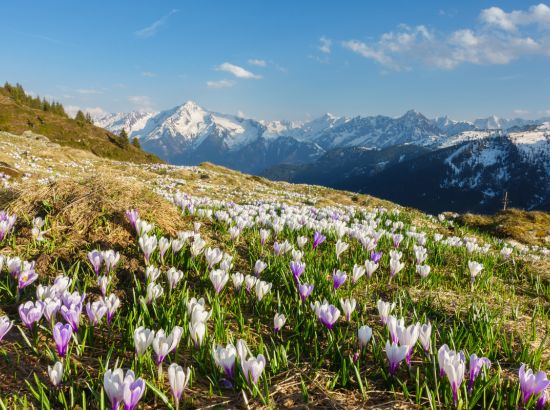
(409, 159)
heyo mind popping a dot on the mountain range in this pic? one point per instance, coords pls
(432, 164)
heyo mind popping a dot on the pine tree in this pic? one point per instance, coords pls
(80, 118)
(123, 138)
(135, 143)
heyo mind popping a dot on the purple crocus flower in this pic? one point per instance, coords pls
(305, 290)
(62, 335)
(72, 315)
(27, 275)
(297, 268)
(318, 239)
(338, 279)
(395, 354)
(476, 364)
(7, 222)
(30, 313)
(5, 326)
(277, 248)
(133, 391)
(133, 216)
(376, 256)
(327, 314)
(543, 398)
(96, 259)
(531, 384)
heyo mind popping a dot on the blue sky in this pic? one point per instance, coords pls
(284, 59)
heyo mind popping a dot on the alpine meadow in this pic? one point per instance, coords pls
(263, 253)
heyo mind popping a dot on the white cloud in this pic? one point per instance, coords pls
(535, 15)
(237, 71)
(149, 74)
(500, 40)
(520, 112)
(141, 102)
(88, 91)
(152, 29)
(257, 62)
(220, 84)
(95, 112)
(325, 45)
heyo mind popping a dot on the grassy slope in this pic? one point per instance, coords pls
(16, 118)
(85, 208)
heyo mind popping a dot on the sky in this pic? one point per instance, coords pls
(284, 59)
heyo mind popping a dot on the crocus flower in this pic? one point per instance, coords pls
(197, 331)
(55, 373)
(133, 390)
(397, 238)
(394, 325)
(423, 270)
(318, 239)
(278, 321)
(213, 256)
(96, 259)
(531, 384)
(327, 314)
(225, 359)
(409, 336)
(357, 273)
(297, 268)
(376, 256)
(164, 244)
(341, 247)
(384, 310)
(148, 245)
(476, 364)
(27, 275)
(395, 354)
(143, 338)
(474, 268)
(348, 306)
(62, 336)
(370, 267)
(264, 236)
(218, 278)
(178, 379)
(454, 367)
(113, 383)
(259, 267)
(338, 279)
(253, 368)
(5, 326)
(72, 315)
(51, 307)
(262, 288)
(154, 291)
(301, 241)
(395, 266)
(112, 302)
(152, 273)
(237, 278)
(174, 276)
(305, 290)
(103, 283)
(30, 313)
(132, 215)
(111, 259)
(364, 334)
(425, 336)
(163, 345)
(7, 222)
(96, 311)
(543, 399)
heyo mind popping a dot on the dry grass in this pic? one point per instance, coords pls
(530, 227)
